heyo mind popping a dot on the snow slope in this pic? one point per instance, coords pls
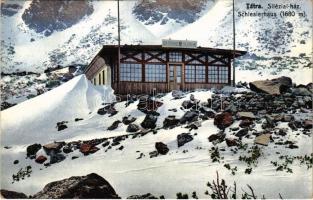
(184, 169)
(74, 99)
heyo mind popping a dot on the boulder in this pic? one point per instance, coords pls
(217, 138)
(245, 115)
(301, 91)
(149, 122)
(232, 142)
(127, 120)
(242, 132)
(88, 149)
(161, 148)
(91, 186)
(223, 120)
(55, 158)
(263, 139)
(132, 128)
(31, 150)
(170, 122)
(114, 125)
(274, 87)
(189, 116)
(7, 194)
(308, 124)
(102, 111)
(245, 123)
(207, 112)
(55, 147)
(41, 159)
(183, 139)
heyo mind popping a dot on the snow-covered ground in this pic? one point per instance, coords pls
(184, 169)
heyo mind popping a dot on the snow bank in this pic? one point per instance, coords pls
(74, 99)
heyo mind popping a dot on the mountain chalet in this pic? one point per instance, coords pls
(145, 69)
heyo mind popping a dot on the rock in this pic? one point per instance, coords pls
(114, 125)
(7, 194)
(187, 104)
(161, 148)
(183, 139)
(270, 123)
(146, 105)
(102, 111)
(120, 148)
(307, 124)
(292, 146)
(78, 119)
(263, 139)
(245, 123)
(106, 143)
(223, 120)
(149, 122)
(242, 132)
(41, 159)
(217, 138)
(301, 91)
(55, 158)
(207, 112)
(127, 120)
(67, 149)
(32, 149)
(189, 116)
(194, 126)
(231, 142)
(132, 128)
(15, 162)
(55, 147)
(91, 186)
(245, 115)
(144, 196)
(74, 157)
(88, 149)
(273, 87)
(153, 154)
(170, 122)
(61, 125)
(287, 118)
(177, 94)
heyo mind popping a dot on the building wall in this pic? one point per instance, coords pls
(102, 77)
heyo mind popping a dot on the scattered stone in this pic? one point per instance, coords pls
(292, 146)
(263, 139)
(177, 94)
(88, 149)
(32, 149)
(223, 120)
(41, 159)
(245, 123)
(308, 124)
(170, 122)
(242, 132)
(132, 128)
(161, 148)
(102, 111)
(67, 149)
(144, 196)
(149, 122)
(7, 194)
(189, 116)
(15, 162)
(120, 148)
(232, 142)
(153, 154)
(53, 147)
(114, 125)
(217, 138)
(245, 115)
(91, 186)
(183, 139)
(127, 120)
(78, 119)
(74, 157)
(106, 143)
(301, 91)
(55, 158)
(61, 125)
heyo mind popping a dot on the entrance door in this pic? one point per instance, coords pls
(175, 76)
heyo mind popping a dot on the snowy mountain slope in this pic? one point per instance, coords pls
(184, 169)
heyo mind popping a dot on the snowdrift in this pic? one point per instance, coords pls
(74, 99)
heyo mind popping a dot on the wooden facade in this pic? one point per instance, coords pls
(145, 69)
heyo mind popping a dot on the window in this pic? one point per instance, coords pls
(223, 74)
(218, 74)
(130, 72)
(155, 73)
(195, 73)
(175, 57)
(213, 74)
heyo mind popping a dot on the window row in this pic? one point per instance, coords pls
(157, 73)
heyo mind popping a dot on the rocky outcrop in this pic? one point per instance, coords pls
(274, 87)
(91, 186)
(7, 194)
